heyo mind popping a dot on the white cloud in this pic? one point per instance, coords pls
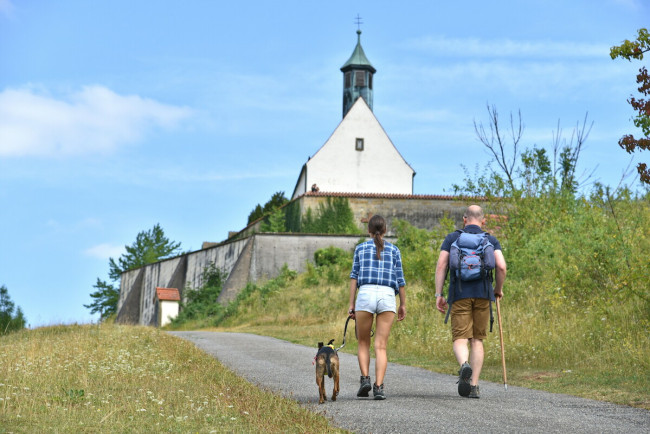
(93, 120)
(104, 251)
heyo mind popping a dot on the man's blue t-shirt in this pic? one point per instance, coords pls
(472, 289)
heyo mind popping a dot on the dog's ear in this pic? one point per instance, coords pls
(330, 342)
(320, 345)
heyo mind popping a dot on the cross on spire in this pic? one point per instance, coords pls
(358, 22)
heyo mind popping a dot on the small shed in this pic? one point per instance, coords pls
(168, 300)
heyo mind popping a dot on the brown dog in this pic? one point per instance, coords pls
(327, 362)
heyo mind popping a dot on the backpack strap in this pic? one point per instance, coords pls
(452, 290)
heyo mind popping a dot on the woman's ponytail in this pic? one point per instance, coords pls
(377, 228)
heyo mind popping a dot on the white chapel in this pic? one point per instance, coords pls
(359, 157)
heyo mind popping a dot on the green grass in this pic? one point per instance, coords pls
(599, 351)
(111, 378)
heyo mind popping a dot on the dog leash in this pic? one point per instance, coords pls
(345, 329)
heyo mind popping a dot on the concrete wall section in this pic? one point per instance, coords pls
(128, 306)
(422, 211)
(159, 274)
(224, 256)
(239, 275)
(272, 251)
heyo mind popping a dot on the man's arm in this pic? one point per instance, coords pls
(441, 274)
(500, 265)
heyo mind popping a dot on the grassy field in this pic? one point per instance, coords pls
(551, 344)
(128, 379)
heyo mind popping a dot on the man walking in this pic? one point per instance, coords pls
(470, 300)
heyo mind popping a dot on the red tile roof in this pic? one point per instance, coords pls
(168, 294)
(384, 195)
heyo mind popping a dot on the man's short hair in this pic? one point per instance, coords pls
(474, 212)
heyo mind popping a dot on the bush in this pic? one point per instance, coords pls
(334, 217)
(202, 302)
(331, 256)
(419, 249)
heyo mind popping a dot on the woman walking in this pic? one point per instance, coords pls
(377, 273)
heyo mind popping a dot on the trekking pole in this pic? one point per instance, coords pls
(503, 356)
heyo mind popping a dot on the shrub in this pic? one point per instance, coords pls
(334, 217)
(202, 302)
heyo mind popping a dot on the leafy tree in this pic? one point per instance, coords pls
(277, 200)
(105, 299)
(276, 222)
(8, 320)
(257, 213)
(634, 50)
(149, 247)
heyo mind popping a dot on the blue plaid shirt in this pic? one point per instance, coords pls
(368, 270)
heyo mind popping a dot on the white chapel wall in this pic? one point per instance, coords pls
(378, 168)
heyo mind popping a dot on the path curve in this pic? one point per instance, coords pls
(417, 400)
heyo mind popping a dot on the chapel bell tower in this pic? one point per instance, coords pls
(357, 77)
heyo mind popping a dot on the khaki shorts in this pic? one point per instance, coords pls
(469, 318)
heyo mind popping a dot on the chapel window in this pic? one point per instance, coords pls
(360, 78)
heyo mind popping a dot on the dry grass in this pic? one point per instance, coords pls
(111, 378)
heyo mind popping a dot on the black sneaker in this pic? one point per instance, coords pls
(364, 388)
(378, 391)
(474, 392)
(464, 375)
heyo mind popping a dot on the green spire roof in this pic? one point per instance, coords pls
(358, 57)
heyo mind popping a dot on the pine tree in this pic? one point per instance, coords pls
(149, 247)
(8, 320)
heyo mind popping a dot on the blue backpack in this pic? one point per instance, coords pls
(471, 257)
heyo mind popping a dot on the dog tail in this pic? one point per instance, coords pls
(329, 365)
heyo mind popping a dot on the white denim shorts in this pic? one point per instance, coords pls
(376, 299)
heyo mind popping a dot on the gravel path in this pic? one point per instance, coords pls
(417, 400)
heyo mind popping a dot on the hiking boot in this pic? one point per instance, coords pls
(364, 388)
(378, 391)
(464, 375)
(474, 392)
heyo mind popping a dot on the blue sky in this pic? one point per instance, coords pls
(117, 115)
